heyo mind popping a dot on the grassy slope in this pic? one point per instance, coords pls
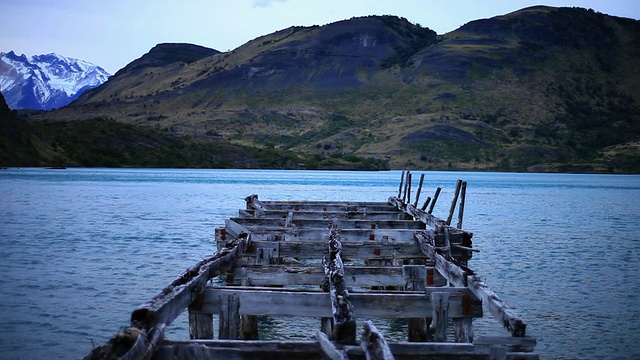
(529, 91)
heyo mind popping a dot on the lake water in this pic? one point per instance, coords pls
(81, 248)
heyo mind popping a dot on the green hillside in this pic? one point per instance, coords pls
(540, 89)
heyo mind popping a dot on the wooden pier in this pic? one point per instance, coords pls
(342, 263)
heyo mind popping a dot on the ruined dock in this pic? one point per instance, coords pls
(342, 263)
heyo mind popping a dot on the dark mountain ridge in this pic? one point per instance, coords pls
(540, 89)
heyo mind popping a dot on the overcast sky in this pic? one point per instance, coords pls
(113, 33)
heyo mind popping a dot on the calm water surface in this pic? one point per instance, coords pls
(81, 248)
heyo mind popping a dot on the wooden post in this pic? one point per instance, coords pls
(248, 323)
(409, 181)
(419, 190)
(435, 199)
(401, 182)
(406, 186)
(455, 200)
(229, 323)
(426, 203)
(463, 192)
(463, 330)
(415, 279)
(200, 326)
(344, 331)
(440, 303)
(373, 343)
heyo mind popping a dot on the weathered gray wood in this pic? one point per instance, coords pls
(401, 183)
(225, 349)
(253, 203)
(521, 344)
(420, 215)
(229, 319)
(355, 276)
(200, 326)
(463, 194)
(344, 322)
(275, 223)
(435, 199)
(373, 343)
(302, 302)
(419, 190)
(319, 235)
(415, 277)
(316, 215)
(497, 307)
(234, 229)
(440, 301)
(454, 201)
(350, 250)
(446, 266)
(328, 348)
(409, 183)
(463, 330)
(426, 203)
(238, 350)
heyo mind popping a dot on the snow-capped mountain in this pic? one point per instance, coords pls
(46, 82)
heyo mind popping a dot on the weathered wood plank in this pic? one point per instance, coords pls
(415, 278)
(350, 250)
(373, 343)
(238, 350)
(440, 301)
(229, 319)
(295, 302)
(497, 307)
(200, 326)
(324, 223)
(344, 322)
(320, 235)
(354, 215)
(454, 201)
(355, 276)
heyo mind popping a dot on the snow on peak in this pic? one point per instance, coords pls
(46, 81)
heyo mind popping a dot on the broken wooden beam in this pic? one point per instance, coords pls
(374, 344)
(344, 331)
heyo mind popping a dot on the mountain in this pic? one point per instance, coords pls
(45, 82)
(539, 89)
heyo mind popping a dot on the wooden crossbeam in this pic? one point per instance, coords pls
(351, 250)
(339, 215)
(251, 222)
(355, 276)
(296, 302)
(224, 349)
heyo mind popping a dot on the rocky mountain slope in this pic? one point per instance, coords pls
(45, 82)
(540, 89)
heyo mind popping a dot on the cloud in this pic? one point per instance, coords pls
(266, 3)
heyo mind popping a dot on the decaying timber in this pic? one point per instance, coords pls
(344, 263)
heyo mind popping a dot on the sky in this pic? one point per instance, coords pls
(113, 33)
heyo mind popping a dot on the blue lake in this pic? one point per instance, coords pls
(81, 248)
